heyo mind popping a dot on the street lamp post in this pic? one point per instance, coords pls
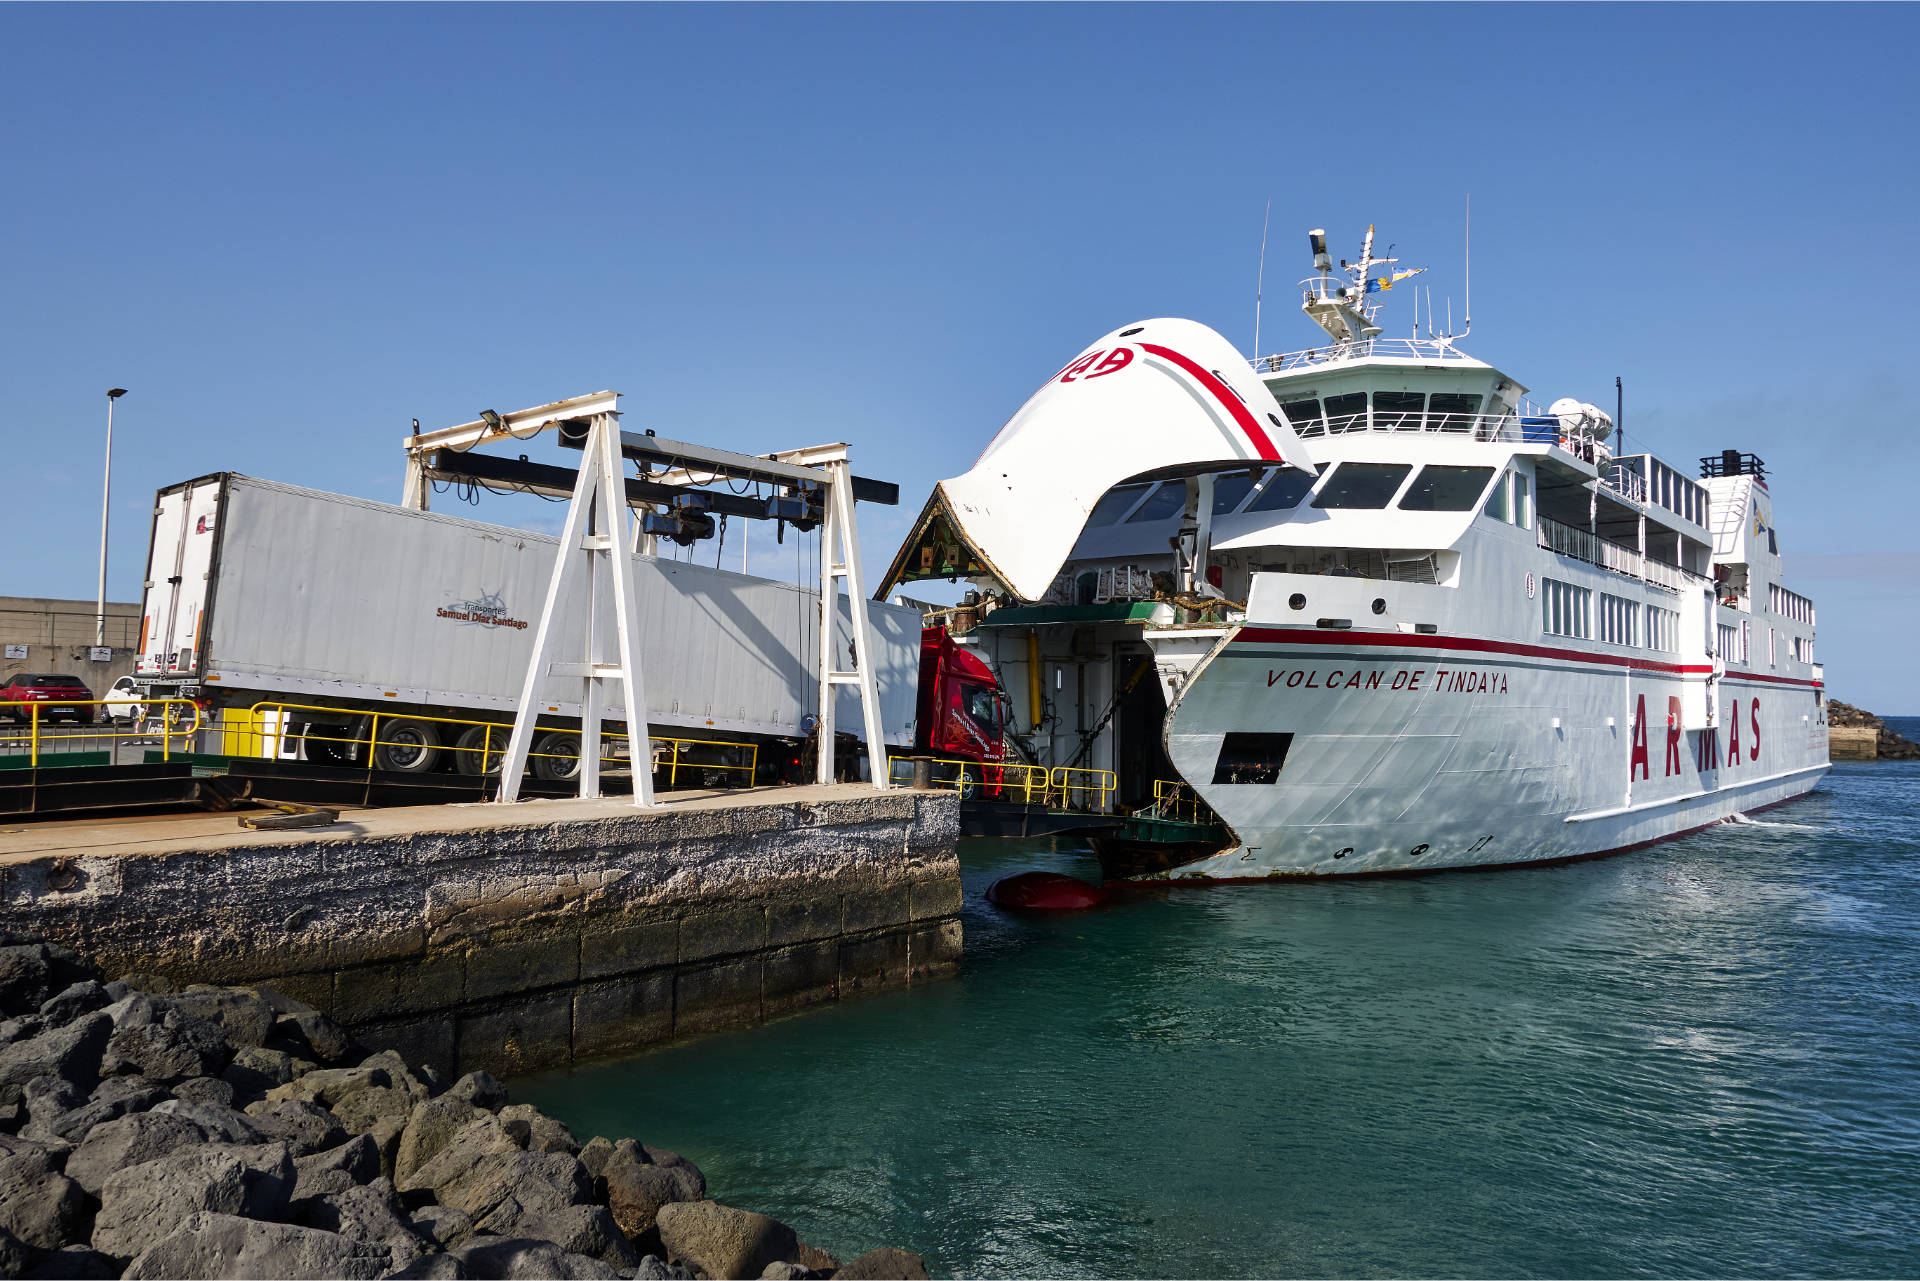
(106, 493)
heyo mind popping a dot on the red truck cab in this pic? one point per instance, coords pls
(963, 713)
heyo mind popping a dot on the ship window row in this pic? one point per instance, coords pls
(1352, 486)
(1679, 494)
(1803, 649)
(1730, 642)
(1619, 620)
(1626, 622)
(1385, 411)
(1566, 610)
(1791, 605)
(1663, 629)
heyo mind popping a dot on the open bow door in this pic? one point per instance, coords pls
(1160, 398)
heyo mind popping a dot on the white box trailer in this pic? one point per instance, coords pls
(258, 591)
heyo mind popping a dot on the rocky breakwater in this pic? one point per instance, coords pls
(148, 1132)
(1856, 733)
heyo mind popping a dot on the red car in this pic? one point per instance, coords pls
(66, 696)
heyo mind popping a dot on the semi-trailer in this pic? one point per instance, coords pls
(323, 611)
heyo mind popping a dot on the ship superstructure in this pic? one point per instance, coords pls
(1390, 615)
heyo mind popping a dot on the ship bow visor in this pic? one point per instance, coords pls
(1159, 398)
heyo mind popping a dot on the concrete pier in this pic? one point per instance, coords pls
(514, 938)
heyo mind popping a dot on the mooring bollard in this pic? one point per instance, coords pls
(923, 773)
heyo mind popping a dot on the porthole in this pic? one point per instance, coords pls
(1379, 604)
(1297, 601)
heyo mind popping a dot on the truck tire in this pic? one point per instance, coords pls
(474, 744)
(407, 747)
(336, 746)
(559, 758)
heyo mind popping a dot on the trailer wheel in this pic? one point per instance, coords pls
(474, 745)
(558, 759)
(336, 748)
(407, 747)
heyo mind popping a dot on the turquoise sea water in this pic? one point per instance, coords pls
(1698, 1059)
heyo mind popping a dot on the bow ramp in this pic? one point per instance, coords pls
(1156, 399)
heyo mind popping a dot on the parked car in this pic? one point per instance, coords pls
(124, 705)
(58, 696)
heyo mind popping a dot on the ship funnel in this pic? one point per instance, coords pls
(1318, 239)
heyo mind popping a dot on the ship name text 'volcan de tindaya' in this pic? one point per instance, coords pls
(1366, 608)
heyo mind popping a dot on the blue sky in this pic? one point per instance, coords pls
(291, 230)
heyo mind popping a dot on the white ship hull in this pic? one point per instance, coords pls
(1403, 618)
(1418, 753)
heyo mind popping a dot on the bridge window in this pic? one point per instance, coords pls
(1398, 410)
(1303, 414)
(1447, 411)
(1362, 486)
(1251, 758)
(1113, 505)
(1446, 489)
(1347, 413)
(1163, 502)
(1283, 489)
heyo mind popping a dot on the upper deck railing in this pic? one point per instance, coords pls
(1388, 348)
(1580, 544)
(1508, 427)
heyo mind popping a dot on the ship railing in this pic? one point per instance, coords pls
(34, 736)
(1483, 427)
(1625, 480)
(1581, 544)
(1176, 800)
(1391, 348)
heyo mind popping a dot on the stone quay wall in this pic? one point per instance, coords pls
(567, 930)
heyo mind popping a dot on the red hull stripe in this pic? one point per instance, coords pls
(1777, 680)
(1225, 395)
(1401, 640)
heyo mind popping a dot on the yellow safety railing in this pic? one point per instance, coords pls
(1062, 786)
(29, 725)
(998, 780)
(1177, 800)
(750, 769)
(267, 731)
(1092, 789)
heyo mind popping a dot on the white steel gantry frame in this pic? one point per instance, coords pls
(595, 545)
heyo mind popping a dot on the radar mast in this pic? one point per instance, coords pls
(1340, 301)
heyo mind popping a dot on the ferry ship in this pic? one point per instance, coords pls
(1371, 606)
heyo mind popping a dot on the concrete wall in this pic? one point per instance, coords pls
(1853, 742)
(59, 634)
(526, 943)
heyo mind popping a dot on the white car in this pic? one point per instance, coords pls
(123, 705)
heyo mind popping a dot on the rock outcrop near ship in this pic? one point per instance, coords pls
(1887, 745)
(150, 1132)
